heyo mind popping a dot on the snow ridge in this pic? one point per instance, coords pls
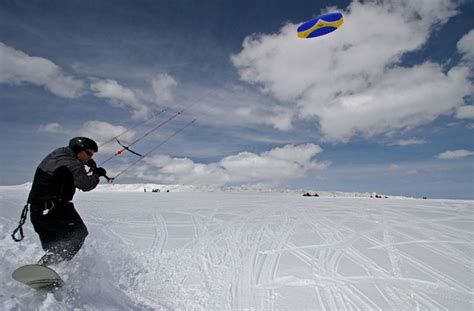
(254, 188)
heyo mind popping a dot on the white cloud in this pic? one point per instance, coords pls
(279, 164)
(401, 98)
(408, 142)
(17, 67)
(120, 96)
(163, 87)
(351, 81)
(466, 46)
(237, 106)
(299, 154)
(53, 128)
(465, 112)
(455, 154)
(394, 167)
(402, 169)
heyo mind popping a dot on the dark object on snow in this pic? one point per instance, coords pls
(376, 196)
(307, 194)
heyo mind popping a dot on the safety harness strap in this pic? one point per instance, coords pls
(19, 229)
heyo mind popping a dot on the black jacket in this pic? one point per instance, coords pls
(58, 176)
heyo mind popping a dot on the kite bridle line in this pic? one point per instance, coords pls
(142, 156)
(154, 149)
(147, 133)
(127, 147)
(133, 127)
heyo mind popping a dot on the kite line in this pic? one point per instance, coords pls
(155, 148)
(127, 147)
(141, 156)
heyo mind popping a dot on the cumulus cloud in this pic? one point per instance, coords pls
(351, 81)
(52, 128)
(466, 46)
(120, 96)
(279, 164)
(18, 67)
(232, 105)
(163, 87)
(455, 154)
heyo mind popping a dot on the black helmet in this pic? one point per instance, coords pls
(78, 144)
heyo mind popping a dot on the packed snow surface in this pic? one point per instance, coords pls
(251, 251)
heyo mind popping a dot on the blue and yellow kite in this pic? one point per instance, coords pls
(320, 26)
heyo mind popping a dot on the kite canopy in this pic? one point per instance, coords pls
(320, 26)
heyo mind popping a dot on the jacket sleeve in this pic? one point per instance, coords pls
(82, 180)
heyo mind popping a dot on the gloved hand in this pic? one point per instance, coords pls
(91, 163)
(100, 171)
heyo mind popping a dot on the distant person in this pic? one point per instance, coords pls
(60, 228)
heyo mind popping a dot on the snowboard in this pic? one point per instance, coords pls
(38, 277)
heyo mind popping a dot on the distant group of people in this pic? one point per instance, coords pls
(155, 190)
(373, 195)
(152, 190)
(377, 196)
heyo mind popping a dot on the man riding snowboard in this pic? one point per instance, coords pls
(60, 228)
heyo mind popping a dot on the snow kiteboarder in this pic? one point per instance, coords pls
(60, 228)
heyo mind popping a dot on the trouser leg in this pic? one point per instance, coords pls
(62, 232)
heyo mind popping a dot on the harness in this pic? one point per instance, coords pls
(24, 214)
(19, 229)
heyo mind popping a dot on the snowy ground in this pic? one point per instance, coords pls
(254, 251)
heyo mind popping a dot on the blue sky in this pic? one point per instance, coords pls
(384, 104)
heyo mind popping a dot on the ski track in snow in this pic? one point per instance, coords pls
(252, 251)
